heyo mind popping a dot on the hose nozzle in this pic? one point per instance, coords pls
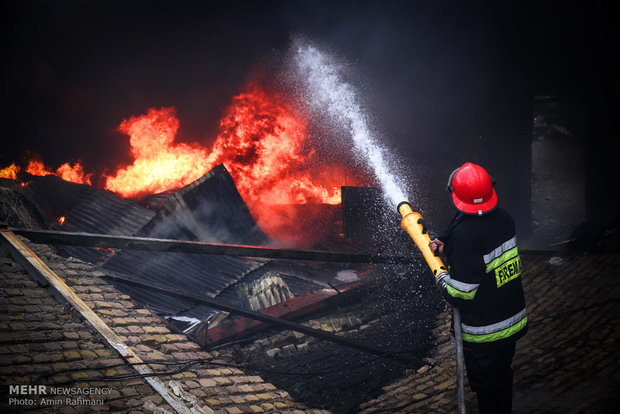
(413, 223)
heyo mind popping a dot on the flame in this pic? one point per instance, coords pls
(10, 172)
(261, 145)
(61, 220)
(36, 167)
(105, 252)
(159, 164)
(74, 174)
(262, 141)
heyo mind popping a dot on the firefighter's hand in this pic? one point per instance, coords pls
(436, 245)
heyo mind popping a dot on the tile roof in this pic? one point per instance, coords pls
(43, 342)
(209, 209)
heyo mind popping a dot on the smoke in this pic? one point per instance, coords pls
(457, 76)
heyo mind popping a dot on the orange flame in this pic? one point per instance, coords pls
(36, 167)
(61, 220)
(159, 164)
(261, 143)
(10, 172)
(74, 173)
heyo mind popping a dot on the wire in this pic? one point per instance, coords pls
(128, 376)
(187, 364)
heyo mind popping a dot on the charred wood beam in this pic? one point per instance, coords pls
(185, 246)
(262, 317)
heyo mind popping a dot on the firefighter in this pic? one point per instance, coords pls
(484, 283)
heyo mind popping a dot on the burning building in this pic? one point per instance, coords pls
(249, 333)
(372, 355)
(171, 283)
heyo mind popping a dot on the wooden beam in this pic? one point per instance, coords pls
(40, 271)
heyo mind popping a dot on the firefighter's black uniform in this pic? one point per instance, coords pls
(485, 284)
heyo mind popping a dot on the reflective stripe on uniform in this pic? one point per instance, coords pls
(458, 289)
(504, 261)
(496, 331)
(498, 251)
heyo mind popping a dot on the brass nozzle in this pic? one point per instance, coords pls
(413, 223)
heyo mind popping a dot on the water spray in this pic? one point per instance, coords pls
(329, 92)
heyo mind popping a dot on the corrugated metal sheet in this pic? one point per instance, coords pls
(103, 212)
(210, 209)
(86, 209)
(208, 275)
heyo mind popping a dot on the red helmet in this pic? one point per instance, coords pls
(472, 189)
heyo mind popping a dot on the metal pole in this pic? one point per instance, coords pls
(186, 246)
(266, 318)
(460, 386)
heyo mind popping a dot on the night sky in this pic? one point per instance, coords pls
(444, 83)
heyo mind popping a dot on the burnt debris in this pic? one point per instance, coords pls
(376, 320)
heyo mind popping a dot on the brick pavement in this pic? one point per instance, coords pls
(569, 362)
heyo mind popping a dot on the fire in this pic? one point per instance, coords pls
(261, 144)
(36, 167)
(159, 164)
(262, 141)
(10, 172)
(74, 174)
(61, 220)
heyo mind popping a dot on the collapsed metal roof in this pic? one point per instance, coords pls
(209, 209)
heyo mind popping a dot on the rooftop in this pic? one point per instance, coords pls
(567, 363)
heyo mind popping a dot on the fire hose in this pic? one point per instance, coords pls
(413, 224)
